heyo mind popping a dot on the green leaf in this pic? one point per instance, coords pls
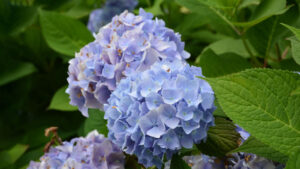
(265, 35)
(219, 111)
(294, 161)
(178, 163)
(8, 157)
(208, 10)
(296, 31)
(221, 138)
(29, 155)
(252, 145)
(63, 33)
(296, 91)
(217, 65)
(260, 101)
(61, 101)
(287, 64)
(246, 3)
(95, 121)
(82, 8)
(13, 70)
(295, 43)
(15, 19)
(295, 49)
(229, 45)
(155, 9)
(265, 9)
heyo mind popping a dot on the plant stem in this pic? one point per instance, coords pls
(278, 52)
(253, 58)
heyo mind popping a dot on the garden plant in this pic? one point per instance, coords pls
(157, 84)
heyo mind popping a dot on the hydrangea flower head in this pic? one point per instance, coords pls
(128, 44)
(93, 152)
(236, 161)
(251, 161)
(100, 17)
(244, 134)
(159, 111)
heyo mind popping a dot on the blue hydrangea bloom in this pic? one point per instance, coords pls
(159, 111)
(128, 44)
(234, 161)
(244, 134)
(102, 16)
(93, 152)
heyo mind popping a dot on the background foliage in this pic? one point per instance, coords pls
(38, 37)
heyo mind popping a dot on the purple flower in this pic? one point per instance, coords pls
(93, 152)
(102, 16)
(251, 161)
(244, 134)
(151, 115)
(128, 45)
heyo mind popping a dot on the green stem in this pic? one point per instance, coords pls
(253, 58)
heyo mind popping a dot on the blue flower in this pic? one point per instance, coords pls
(244, 134)
(102, 16)
(94, 151)
(235, 161)
(128, 45)
(158, 120)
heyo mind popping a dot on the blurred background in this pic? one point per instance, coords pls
(38, 37)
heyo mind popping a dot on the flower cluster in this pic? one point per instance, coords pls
(234, 161)
(102, 16)
(93, 152)
(128, 44)
(244, 134)
(159, 111)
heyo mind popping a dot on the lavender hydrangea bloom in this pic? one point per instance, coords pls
(244, 134)
(102, 16)
(93, 152)
(159, 111)
(251, 161)
(234, 161)
(128, 44)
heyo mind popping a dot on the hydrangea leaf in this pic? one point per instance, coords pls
(63, 33)
(295, 49)
(95, 121)
(296, 91)
(61, 100)
(217, 65)
(155, 9)
(294, 161)
(229, 45)
(14, 70)
(178, 163)
(219, 111)
(287, 64)
(8, 157)
(264, 10)
(210, 10)
(252, 145)
(295, 43)
(266, 34)
(260, 101)
(15, 18)
(221, 138)
(247, 3)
